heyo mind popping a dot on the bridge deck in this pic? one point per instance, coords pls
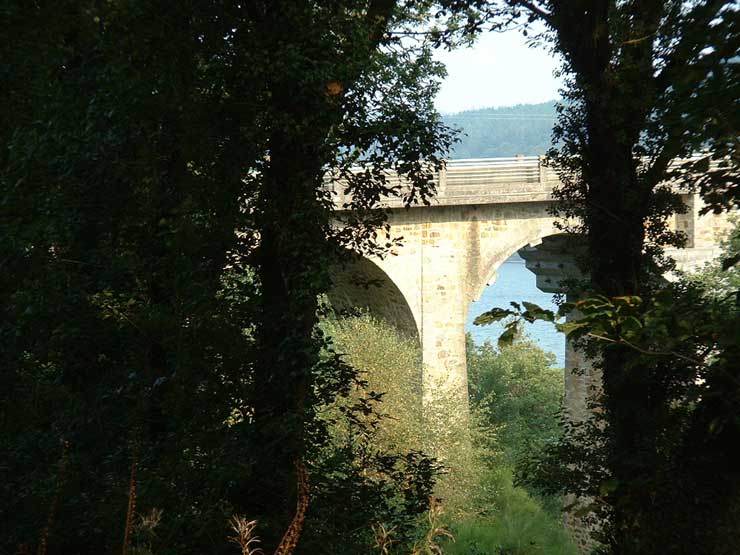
(479, 181)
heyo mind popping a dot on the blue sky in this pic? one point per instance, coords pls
(499, 70)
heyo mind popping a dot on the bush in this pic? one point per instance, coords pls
(520, 392)
(515, 396)
(370, 460)
(390, 364)
(517, 525)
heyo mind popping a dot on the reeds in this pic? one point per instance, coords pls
(383, 538)
(245, 538)
(427, 545)
(436, 531)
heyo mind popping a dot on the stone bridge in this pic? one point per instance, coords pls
(485, 211)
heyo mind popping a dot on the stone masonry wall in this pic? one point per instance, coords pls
(448, 256)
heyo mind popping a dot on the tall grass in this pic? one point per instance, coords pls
(517, 525)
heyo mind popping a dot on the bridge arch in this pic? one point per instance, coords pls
(363, 284)
(510, 280)
(497, 252)
(447, 256)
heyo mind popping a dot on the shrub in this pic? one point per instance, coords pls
(520, 392)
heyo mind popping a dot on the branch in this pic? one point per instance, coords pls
(120, 314)
(645, 351)
(638, 40)
(79, 262)
(605, 210)
(535, 9)
(655, 173)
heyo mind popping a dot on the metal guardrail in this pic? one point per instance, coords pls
(486, 171)
(494, 180)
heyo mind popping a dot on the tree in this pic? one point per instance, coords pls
(120, 200)
(166, 232)
(648, 82)
(628, 104)
(386, 439)
(364, 99)
(721, 278)
(518, 391)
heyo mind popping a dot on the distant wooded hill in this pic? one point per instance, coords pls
(494, 132)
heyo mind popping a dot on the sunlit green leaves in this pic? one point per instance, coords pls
(534, 312)
(493, 315)
(507, 337)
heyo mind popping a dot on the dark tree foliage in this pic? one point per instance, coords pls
(165, 234)
(365, 98)
(120, 200)
(685, 340)
(645, 88)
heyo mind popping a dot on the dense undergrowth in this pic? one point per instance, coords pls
(515, 396)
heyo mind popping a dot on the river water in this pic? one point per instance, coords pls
(515, 283)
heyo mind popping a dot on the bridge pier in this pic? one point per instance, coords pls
(553, 263)
(449, 255)
(434, 269)
(443, 312)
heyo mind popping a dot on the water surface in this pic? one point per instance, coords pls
(516, 283)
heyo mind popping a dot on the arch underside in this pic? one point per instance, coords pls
(362, 285)
(495, 254)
